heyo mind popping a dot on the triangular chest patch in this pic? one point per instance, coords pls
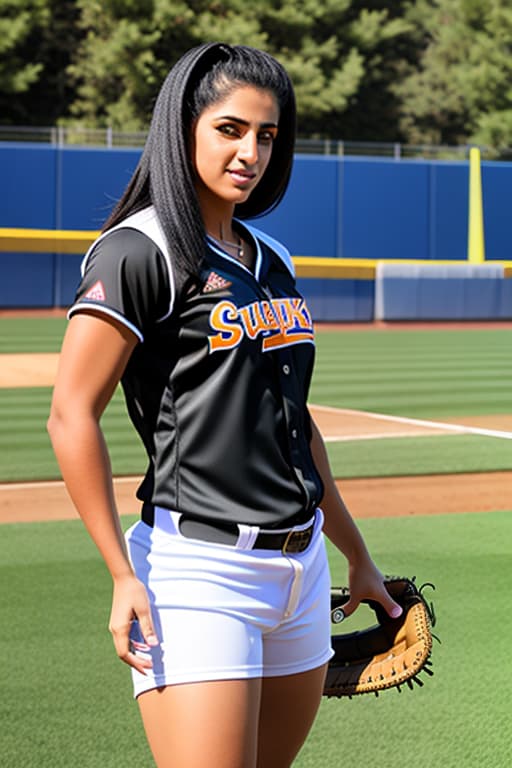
(215, 282)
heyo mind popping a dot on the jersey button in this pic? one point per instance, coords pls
(286, 369)
(294, 433)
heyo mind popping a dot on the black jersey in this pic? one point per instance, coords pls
(217, 386)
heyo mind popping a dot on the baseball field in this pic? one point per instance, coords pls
(418, 423)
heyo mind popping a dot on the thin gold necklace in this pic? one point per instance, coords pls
(238, 247)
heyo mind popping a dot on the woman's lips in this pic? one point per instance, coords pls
(241, 177)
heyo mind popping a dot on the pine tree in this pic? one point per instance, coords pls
(460, 91)
(21, 21)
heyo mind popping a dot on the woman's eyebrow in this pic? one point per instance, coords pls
(245, 122)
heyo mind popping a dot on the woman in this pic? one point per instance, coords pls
(221, 591)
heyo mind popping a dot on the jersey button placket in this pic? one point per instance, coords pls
(287, 370)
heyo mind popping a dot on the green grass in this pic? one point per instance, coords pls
(41, 334)
(422, 374)
(25, 449)
(420, 456)
(26, 454)
(417, 373)
(456, 719)
(66, 699)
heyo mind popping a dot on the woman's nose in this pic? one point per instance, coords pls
(248, 148)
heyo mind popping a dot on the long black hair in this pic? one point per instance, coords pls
(164, 176)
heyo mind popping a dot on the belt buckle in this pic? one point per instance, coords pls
(297, 541)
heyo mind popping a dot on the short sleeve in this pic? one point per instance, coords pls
(125, 276)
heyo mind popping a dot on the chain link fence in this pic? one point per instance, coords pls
(64, 136)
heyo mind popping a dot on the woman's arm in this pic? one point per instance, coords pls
(366, 581)
(94, 355)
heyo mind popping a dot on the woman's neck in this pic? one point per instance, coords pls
(221, 228)
(218, 219)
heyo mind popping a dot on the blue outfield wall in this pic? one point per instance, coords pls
(343, 300)
(349, 207)
(28, 192)
(367, 208)
(45, 187)
(343, 207)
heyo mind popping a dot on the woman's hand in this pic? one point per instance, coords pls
(130, 602)
(366, 582)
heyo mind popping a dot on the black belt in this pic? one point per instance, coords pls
(289, 542)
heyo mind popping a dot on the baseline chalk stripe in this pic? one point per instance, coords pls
(438, 425)
(57, 484)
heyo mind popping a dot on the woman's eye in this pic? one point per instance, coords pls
(266, 137)
(228, 130)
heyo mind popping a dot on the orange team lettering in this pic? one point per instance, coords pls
(223, 319)
(258, 318)
(281, 321)
(293, 314)
(295, 323)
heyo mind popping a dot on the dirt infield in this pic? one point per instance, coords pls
(366, 497)
(28, 370)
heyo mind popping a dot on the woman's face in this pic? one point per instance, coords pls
(232, 144)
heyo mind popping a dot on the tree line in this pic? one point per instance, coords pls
(414, 71)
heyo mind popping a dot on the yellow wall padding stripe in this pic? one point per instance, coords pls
(78, 241)
(46, 240)
(334, 269)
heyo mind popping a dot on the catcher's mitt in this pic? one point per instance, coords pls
(386, 655)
